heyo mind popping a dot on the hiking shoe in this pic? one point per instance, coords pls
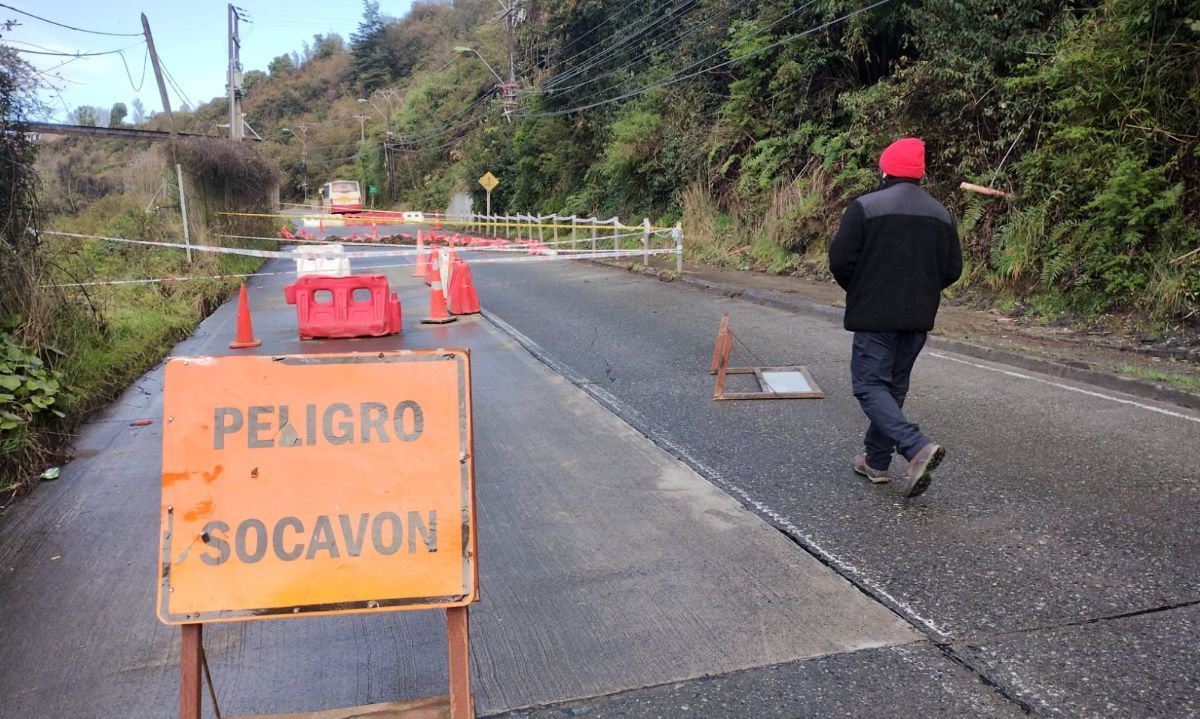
(877, 476)
(920, 468)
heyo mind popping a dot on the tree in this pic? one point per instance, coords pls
(19, 209)
(282, 65)
(139, 111)
(252, 78)
(369, 66)
(327, 46)
(116, 116)
(85, 115)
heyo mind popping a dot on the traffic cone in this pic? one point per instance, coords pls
(321, 224)
(419, 267)
(437, 305)
(431, 268)
(463, 298)
(245, 330)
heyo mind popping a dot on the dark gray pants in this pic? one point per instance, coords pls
(880, 366)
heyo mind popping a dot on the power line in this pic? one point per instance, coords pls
(679, 78)
(70, 54)
(71, 27)
(694, 28)
(594, 28)
(682, 8)
(178, 91)
(711, 55)
(145, 62)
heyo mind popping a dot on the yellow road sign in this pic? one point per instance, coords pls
(489, 181)
(321, 484)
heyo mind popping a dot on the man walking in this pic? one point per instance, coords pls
(895, 251)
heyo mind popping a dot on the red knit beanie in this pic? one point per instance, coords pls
(904, 158)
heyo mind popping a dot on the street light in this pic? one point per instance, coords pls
(303, 154)
(463, 50)
(507, 87)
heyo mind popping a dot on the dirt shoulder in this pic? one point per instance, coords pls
(1161, 368)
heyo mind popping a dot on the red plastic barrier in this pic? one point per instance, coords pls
(326, 306)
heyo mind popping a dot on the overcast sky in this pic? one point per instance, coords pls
(190, 36)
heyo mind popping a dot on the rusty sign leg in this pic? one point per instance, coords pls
(459, 655)
(712, 369)
(189, 671)
(721, 359)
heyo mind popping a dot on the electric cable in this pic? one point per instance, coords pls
(683, 8)
(694, 28)
(756, 33)
(70, 54)
(593, 29)
(71, 27)
(145, 63)
(178, 91)
(679, 78)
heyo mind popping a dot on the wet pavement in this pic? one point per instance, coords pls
(1060, 504)
(648, 552)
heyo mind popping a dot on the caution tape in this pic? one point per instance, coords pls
(176, 245)
(598, 255)
(396, 220)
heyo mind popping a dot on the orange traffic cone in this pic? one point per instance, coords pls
(419, 267)
(321, 224)
(463, 298)
(245, 330)
(437, 305)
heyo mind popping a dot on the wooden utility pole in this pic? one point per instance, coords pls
(162, 87)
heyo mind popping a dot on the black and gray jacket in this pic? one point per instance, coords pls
(895, 251)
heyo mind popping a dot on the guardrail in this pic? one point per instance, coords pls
(582, 229)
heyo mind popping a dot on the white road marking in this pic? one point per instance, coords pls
(1100, 395)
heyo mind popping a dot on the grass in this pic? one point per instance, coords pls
(1187, 383)
(110, 335)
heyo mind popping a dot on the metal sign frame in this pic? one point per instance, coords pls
(722, 353)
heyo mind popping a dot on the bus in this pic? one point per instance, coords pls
(341, 197)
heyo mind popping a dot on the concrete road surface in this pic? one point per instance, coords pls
(647, 552)
(608, 566)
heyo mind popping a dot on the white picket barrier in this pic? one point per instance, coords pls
(327, 260)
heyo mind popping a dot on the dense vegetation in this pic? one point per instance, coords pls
(753, 123)
(67, 345)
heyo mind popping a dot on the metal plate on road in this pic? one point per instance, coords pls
(786, 381)
(319, 484)
(489, 181)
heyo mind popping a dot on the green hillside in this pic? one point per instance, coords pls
(755, 122)
(752, 123)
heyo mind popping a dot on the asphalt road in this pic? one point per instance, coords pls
(1055, 554)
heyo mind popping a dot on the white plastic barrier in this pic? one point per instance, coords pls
(327, 260)
(413, 216)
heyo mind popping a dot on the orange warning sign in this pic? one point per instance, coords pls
(320, 484)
